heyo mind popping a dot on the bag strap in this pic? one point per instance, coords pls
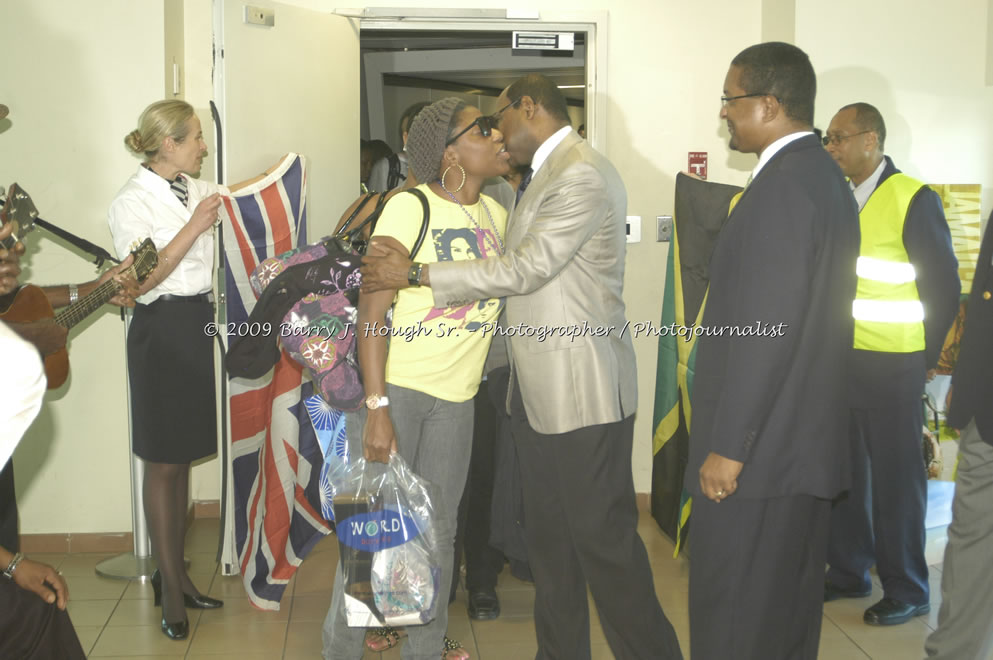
(393, 179)
(378, 211)
(374, 216)
(351, 218)
(424, 221)
(370, 219)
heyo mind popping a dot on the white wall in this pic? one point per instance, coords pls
(666, 65)
(75, 76)
(924, 65)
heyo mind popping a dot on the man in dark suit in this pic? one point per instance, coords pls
(906, 299)
(573, 395)
(767, 450)
(964, 631)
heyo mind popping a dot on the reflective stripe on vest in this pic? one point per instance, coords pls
(889, 316)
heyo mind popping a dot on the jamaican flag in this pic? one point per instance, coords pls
(701, 210)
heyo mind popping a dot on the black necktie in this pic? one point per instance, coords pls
(524, 184)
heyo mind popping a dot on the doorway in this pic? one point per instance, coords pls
(400, 68)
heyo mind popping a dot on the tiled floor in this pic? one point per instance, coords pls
(115, 618)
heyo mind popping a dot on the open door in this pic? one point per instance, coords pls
(291, 86)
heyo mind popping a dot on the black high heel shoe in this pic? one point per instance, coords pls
(192, 602)
(178, 630)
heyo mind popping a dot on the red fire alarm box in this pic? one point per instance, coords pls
(698, 163)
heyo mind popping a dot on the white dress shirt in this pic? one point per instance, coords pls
(146, 207)
(774, 149)
(22, 388)
(864, 190)
(541, 153)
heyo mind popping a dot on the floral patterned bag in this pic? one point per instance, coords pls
(312, 292)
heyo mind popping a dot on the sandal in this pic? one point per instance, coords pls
(383, 639)
(454, 651)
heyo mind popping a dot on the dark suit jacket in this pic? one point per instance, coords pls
(886, 379)
(972, 382)
(786, 255)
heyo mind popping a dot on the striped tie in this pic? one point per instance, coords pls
(179, 188)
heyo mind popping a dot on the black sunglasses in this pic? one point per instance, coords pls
(486, 123)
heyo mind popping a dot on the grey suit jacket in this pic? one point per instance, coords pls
(562, 274)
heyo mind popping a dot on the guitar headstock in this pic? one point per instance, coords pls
(146, 258)
(19, 210)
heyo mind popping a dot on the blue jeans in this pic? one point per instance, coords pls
(435, 438)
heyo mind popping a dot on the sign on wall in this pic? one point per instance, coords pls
(698, 164)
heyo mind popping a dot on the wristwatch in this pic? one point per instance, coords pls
(375, 401)
(414, 274)
(73, 293)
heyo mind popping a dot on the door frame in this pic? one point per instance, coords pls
(594, 23)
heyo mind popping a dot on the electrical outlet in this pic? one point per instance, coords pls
(663, 231)
(634, 228)
(260, 16)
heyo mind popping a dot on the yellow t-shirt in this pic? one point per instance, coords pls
(441, 351)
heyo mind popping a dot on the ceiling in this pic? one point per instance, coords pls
(379, 41)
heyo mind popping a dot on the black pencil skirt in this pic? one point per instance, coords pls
(171, 370)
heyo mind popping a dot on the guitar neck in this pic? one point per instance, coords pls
(76, 312)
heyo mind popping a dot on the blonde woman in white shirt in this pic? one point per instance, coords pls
(170, 357)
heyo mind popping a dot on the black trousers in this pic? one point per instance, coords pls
(31, 629)
(482, 562)
(8, 509)
(581, 528)
(757, 578)
(881, 520)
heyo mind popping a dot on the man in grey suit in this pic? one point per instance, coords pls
(574, 393)
(965, 631)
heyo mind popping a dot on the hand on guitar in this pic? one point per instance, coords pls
(128, 284)
(9, 262)
(205, 215)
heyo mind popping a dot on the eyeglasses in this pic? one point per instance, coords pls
(486, 123)
(727, 99)
(837, 139)
(496, 115)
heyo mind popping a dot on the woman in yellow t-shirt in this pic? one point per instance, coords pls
(421, 374)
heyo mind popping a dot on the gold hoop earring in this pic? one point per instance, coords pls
(445, 173)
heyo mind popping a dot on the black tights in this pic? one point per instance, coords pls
(165, 499)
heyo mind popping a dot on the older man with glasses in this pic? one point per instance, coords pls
(907, 298)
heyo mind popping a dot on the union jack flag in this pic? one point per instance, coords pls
(274, 460)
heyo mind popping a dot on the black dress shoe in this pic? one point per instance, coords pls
(192, 602)
(832, 592)
(202, 602)
(483, 604)
(893, 612)
(178, 630)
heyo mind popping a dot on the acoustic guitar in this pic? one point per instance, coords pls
(30, 302)
(19, 210)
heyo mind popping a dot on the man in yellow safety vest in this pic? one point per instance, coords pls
(907, 297)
